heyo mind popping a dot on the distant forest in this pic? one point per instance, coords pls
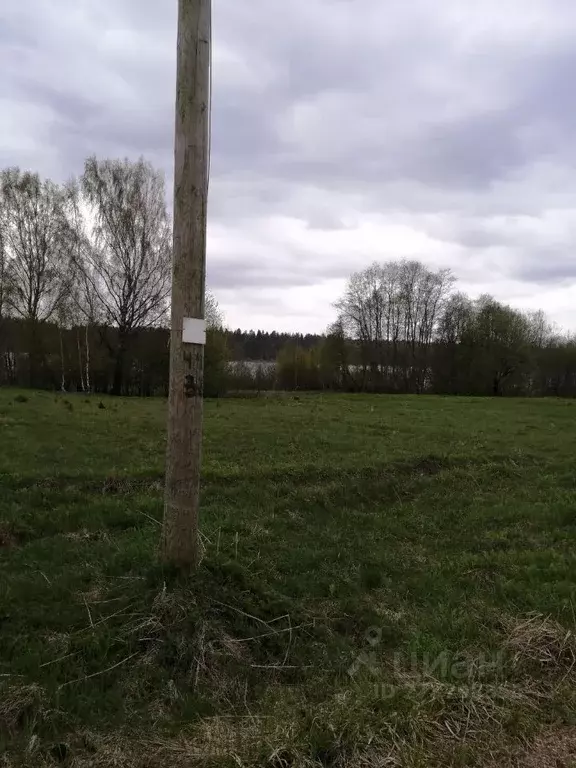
(81, 358)
(498, 355)
(266, 346)
(85, 276)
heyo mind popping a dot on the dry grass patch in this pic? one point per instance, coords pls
(540, 641)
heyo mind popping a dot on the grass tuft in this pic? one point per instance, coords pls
(540, 642)
(20, 705)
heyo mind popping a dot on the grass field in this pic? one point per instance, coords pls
(387, 581)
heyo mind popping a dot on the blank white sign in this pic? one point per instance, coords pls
(194, 331)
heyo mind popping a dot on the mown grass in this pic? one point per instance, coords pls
(387, 581)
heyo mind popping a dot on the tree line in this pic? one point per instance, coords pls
(85, 274)
(402, 327)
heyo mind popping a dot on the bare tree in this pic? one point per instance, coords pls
(35, 241)
(452, 361)
(455, 318)
(125, 258)
(3, 270)
(541, 330)
(83, 301)
(392, 311)
(366, 315)
(422, 297)
(3, 292)
(212, 312)
(34, 234)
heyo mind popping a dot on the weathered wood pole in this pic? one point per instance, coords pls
(180, 542)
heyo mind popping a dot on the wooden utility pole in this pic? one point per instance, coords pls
(180, 542)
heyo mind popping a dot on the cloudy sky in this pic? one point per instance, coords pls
(344, 131)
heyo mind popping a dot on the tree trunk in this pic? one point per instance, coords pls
(80, 372)
(119, 363)
(33, 353)
(87, 377)
(62, 362)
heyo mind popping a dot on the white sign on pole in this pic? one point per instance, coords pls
(194, 331)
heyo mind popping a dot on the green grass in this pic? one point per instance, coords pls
(430, 538)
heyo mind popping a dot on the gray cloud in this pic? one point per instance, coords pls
(343, 130)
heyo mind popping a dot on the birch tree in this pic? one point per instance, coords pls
(34, 235)
(35, 241)
(125, 264)
(3, 291)
(3, 271)
(83, 302)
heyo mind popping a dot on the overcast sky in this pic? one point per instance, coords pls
(344, 131)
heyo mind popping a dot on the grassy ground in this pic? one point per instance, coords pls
(386, 582)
